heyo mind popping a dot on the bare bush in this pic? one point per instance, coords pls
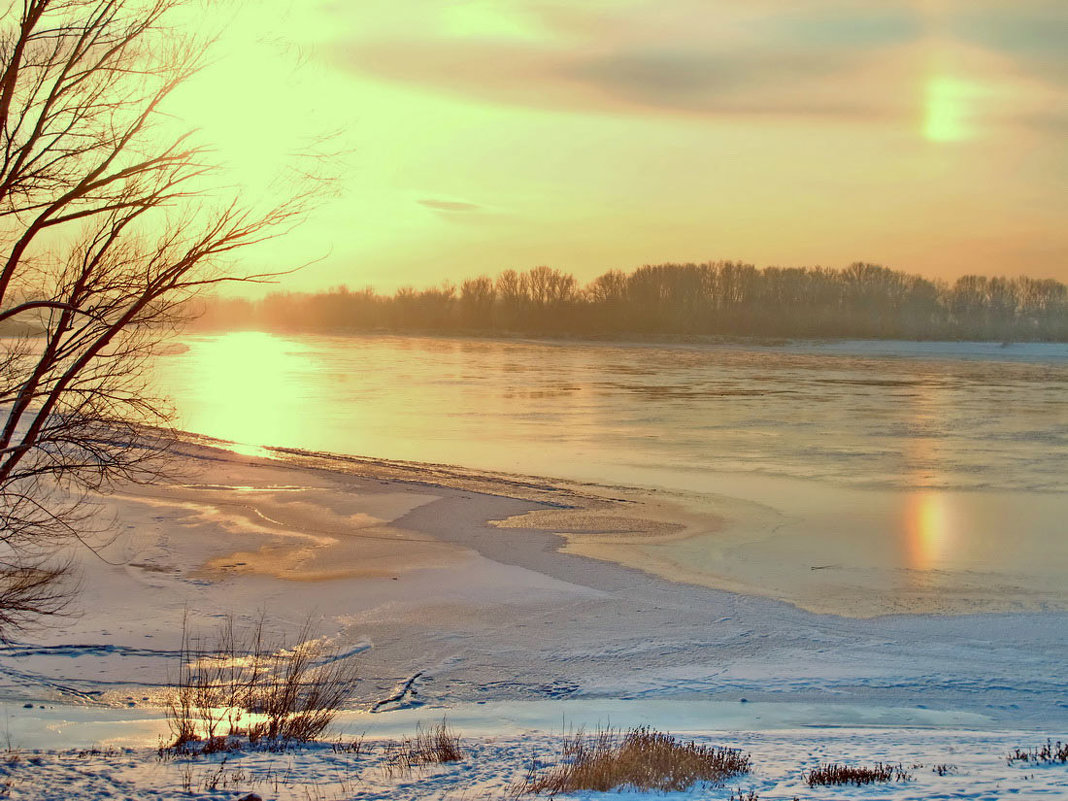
(258, 687)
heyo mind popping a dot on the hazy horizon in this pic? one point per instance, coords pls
(488, 369)
(477, 137)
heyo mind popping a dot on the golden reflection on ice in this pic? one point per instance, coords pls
(927, 524)
(928, 530)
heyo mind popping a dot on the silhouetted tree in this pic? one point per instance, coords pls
(477, 296)
(724, 298)
(513, 300)
(106, 230)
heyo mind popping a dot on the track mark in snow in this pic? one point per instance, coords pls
(407, 690)
(73, 651)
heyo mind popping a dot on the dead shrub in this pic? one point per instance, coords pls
(640, 758)
(250, 685)
(1048, 754)
(832, 774)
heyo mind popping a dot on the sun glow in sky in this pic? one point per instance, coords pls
(948, 110)
(479, 136)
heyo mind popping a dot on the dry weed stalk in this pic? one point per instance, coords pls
(826, 775)
(1047, 754)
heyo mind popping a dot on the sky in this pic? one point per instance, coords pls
(473, 136)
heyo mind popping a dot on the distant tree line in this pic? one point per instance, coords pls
(716, 299)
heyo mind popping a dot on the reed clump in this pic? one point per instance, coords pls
(832, 774)
(434, 746)
(640, 759)
(1047, 754)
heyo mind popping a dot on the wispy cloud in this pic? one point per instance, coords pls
(778, 82)
(642, 80)
(1034, 36)
(450, 206)
(838, 59)
(607, 132)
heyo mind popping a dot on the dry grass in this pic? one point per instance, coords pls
(1048, 754)
(641, 759)
(832, 774)
(354, 747)
(436, 745)
(250, 685)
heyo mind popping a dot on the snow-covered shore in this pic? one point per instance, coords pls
(941, 764)
(508, 636)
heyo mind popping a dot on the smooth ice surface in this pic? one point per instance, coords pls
(861, 478)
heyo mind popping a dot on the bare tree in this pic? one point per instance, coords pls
(107, 226)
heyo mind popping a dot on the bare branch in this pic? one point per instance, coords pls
(82, 164)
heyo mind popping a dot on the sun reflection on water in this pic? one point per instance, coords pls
(245, 391)
(245, 449)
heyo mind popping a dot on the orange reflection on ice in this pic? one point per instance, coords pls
(928, 530)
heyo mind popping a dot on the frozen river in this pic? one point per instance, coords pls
(886, 476)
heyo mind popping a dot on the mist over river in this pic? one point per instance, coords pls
(935, 474)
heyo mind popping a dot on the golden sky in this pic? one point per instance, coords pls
(480, 135)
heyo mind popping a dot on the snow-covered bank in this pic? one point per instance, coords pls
(943, 764)
(507, 635)
(63, 726)
(403, 566)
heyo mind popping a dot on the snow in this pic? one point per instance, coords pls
(511, 640)
(975, 764)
